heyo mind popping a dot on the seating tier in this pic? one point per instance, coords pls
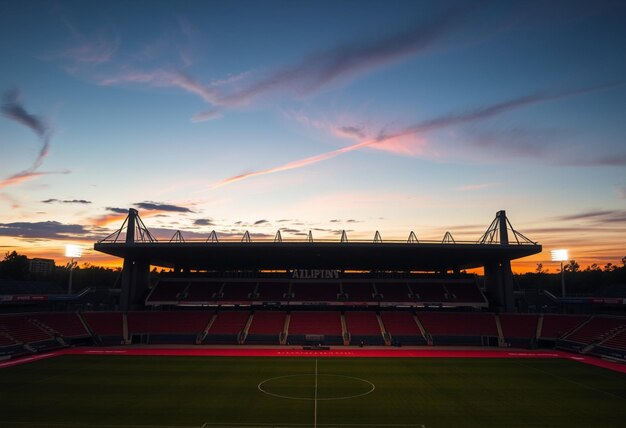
(556, 326)
(362, 323)
(267, 322)
(596, 329)
(459, 324)
(67, 325)
(310, 322)
(167, 322)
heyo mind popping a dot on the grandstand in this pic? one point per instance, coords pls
(311, 294)
(29, 333)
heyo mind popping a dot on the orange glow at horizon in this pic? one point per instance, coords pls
(520, 266)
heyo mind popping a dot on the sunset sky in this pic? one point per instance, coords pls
(320, 116)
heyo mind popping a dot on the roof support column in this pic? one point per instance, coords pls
(499, 283)
(135, 274)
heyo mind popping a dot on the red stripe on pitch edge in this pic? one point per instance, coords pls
(352, 353)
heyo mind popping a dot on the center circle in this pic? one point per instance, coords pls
(303, 387)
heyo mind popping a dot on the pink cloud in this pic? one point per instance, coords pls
(95, 51)
(409, 140)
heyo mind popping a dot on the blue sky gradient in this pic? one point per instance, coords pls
(323, 116)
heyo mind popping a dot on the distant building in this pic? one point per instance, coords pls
(41, 266)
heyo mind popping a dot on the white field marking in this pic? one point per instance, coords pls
(287, 397)
(315, 398)
(572, 381)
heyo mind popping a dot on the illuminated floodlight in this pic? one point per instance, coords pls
(73, 251)
(559, 255)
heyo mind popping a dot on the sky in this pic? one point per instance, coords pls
(321, 116)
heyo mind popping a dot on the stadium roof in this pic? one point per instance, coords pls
(318, 255)
(493, 247)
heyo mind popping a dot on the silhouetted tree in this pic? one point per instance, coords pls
(571, 266)
(14, 266)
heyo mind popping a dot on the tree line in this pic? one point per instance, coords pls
(589, 281)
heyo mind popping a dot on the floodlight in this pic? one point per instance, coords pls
(73, 251)
(559, 255)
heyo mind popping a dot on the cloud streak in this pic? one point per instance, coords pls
(599, 216)
(308, 75)
(41, 230)
(320, 69)
(157, 206)
(13, 109)
(66, 201)
(384, 140)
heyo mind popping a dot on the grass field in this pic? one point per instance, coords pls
(133, 391)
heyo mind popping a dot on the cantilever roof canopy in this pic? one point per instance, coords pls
(318, 255)
(493, 247)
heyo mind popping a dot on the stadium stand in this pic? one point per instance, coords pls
(618, 341)
(519, 329)
(458, 328)
(595, 330)
(227, 327)
(238, 291)
(63, 324)
(166, 327)
(310, 327)
(358, 292)
(167, 291)
(314, 292)
(394, 292)
(22, 329)
(203, 291)
(402, 328)
(273, 292)
(6, 340)
(266, 327)
(464, 292)
(556, 326)
(107, 326)
(428, 292)
(363, 328)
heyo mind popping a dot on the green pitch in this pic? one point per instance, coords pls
(150, 392)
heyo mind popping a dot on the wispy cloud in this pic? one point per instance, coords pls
(599, 216)
(149, 209)
(320, 69)
(308, 75)
(95, 50)
(204, 222)
(614, 159)
(66, 201)
(13, 109)
(116, 210)
(161, 207)
(164, 78)
(382, 139)
(42, 230)
(292, 165)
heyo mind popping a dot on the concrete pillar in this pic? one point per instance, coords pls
(135, 274)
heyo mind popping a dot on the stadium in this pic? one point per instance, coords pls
(312, 334)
